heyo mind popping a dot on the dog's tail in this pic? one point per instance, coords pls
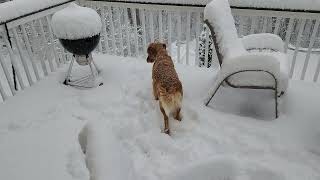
(171, 101)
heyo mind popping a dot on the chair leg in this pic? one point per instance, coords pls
(214, 92)
(276, 103)
(282, 93)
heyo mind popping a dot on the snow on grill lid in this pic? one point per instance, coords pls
(218, 13)
(76, 22)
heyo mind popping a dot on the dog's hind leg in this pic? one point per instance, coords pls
(177, 115)
(155, 93)
(166, 120)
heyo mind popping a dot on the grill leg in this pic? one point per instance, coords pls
(96, 66)
(92, 70)
(69, 72)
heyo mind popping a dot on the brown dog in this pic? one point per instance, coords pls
(167, 87)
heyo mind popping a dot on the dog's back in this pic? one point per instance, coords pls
(168, 85)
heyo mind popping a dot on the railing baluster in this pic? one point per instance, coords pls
(114, 47)
(241, 24)
(99, 44)
(297, 46)
(198, 27)
(179, 36)
(104, 30)
(170, 32)
(128, 27)
(134, 15)
(34, 36)
(253, 24)
(120, 31)
(23, 60)
(3, 93)
(207, 48)
(51, 40)
(27, 42)
(7, 74)
(15, 64)
(151, 25)
(43, 35)
(188, 37)
(264, 26)
(160, 26)
(277, 25)
(144, 34)
(288, 34)
(316, 74)
(312, 40)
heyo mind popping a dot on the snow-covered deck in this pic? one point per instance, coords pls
(39, 128)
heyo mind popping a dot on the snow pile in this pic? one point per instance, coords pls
(76, 22)
(249, 62)
(277, 4)
(39, 129)
(263, 41)
(212, 169)
(13, 9)
(104, 153)
(276, 63)
(218, 14)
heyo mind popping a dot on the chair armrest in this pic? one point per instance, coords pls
(259, 62)
(263, 41)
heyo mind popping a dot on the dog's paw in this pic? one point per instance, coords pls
(166, 131)
(178, 118)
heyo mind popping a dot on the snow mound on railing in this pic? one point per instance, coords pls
(277, 4)
(13, 9)
(76, 22)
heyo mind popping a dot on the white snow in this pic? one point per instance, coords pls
(276, 63)
(218, 13)
(13, 9)
(105, 156)
(263, 40)
(76, 22)
(278, 4)
(233, 137)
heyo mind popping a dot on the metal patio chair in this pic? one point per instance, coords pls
(255, 61)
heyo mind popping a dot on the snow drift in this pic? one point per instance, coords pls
(105, 157)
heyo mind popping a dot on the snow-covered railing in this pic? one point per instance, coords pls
(28, 49)
(129, 25)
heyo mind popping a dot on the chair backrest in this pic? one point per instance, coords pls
(218, 17)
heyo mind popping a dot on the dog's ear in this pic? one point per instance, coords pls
(151, 49)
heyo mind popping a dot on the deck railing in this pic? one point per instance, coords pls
(29, 51)
(129, 27)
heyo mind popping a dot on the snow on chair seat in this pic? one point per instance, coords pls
(263, 41)
(241, 65)
(262, 79)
